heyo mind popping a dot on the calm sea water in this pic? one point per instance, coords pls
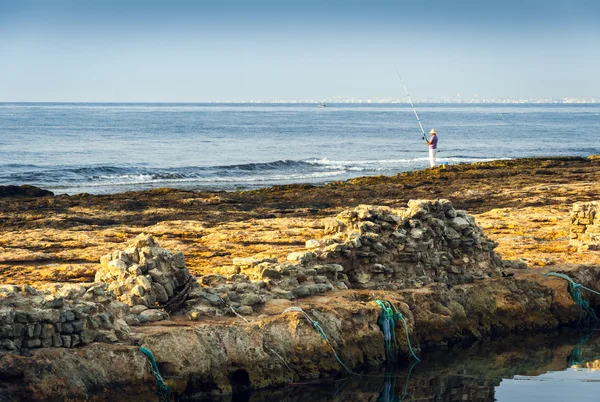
(107, 148)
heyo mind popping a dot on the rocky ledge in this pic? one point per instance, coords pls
(253, 323)
(218, 356)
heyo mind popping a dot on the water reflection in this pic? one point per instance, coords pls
(577, 357)
(388, 393)
(551, 367)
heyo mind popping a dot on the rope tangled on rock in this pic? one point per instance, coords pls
(162, 389)
(317, 327)
(574, 291)
(266, 347)
(387, 322)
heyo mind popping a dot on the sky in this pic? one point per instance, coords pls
(234, 50)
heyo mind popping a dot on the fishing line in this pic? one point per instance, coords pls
(411, 103)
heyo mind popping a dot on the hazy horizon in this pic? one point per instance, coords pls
(402, 102)
(237, 51)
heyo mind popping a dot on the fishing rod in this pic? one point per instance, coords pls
(411, 103)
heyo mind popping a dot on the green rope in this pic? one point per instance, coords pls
(575, 355)
(395, 314)
(266, 347)
(162, 390)
(405, 393)
(574, 291)
(317, 327)
(388, 393)
(387, 322)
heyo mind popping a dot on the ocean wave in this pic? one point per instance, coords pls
(366, 162)
(244, 175)
(129, 180)
(246, 171)
(279, 164)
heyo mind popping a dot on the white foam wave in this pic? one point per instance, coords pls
(326, 161)
(144, 179)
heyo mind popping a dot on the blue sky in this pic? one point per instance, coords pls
(187, 51)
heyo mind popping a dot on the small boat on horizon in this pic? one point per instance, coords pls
(323, 105)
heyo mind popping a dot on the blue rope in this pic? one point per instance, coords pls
(574, 291)
(387, 322)
(162, 389)
(388, 393)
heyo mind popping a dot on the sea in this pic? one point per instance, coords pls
(101, 148)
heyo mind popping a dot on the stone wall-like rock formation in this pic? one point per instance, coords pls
(129, 288)
(375, 247)
(143, 274)
(59, 316)
(427, 242)
(369, 247)
(585, 226)
(289, 280)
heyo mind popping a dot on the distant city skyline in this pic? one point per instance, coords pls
(234, 50)
(395, 100)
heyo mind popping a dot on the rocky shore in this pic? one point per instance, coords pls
(225, 288)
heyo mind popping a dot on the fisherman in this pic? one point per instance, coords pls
(432, 144)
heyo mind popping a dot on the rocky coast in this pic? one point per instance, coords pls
(225, 287)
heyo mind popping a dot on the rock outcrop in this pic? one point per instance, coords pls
(216, 356)
(369, 247)
(24, 191)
